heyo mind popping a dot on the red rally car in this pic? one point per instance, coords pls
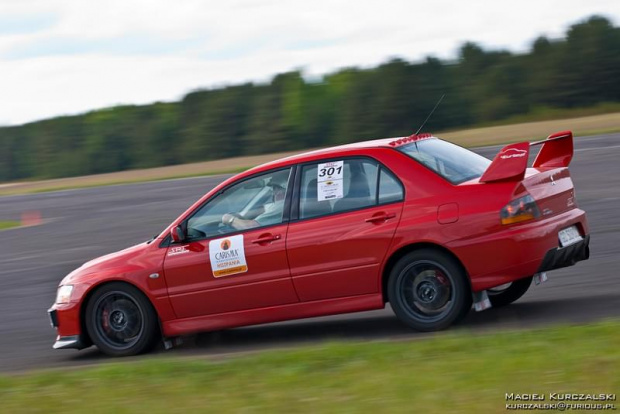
(418, 222)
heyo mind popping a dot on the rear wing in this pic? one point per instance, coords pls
(556, 151)
(511, 162)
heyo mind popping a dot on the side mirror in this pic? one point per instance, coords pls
(177, 234)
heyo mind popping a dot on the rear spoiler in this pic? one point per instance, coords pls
(511, 162)
(556, 151)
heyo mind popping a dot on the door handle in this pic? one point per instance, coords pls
(380, 217)
(266, 238)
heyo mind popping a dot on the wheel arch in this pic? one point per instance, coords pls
(404, 250)
(91, 291)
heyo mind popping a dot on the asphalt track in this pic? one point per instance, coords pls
(82, 224)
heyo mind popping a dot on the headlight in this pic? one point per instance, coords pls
(521, 209)
(64, 294)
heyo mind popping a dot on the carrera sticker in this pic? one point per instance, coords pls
(227, 256)
(329, 180)
(176, 250)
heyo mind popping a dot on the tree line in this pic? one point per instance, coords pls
(352, 104)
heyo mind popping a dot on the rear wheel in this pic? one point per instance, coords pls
(428, 290)
(120, 320)
(506, 294)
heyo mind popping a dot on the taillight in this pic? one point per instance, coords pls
(521, 209)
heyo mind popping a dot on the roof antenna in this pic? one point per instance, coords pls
(429, 115)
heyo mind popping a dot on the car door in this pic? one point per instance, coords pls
(344, 224)
(222, 268)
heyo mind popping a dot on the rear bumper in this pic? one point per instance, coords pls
(566, 256)
(522, 250)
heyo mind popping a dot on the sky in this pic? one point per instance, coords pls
(61, 57)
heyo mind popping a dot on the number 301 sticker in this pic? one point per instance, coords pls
(329, 180)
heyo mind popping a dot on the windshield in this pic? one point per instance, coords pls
(455, 164)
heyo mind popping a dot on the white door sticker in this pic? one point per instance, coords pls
(176, 250)
(329, 180)
(227, 256)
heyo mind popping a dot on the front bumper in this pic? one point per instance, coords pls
(53, 315)
(64, 318)
(69, 342)
(558, 258)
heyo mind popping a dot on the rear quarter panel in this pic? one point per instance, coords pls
(478, 208)
(478, 217)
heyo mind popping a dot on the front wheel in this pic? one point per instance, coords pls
(428, 290)
(120, 320)
(506, 294)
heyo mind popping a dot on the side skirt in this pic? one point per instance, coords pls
(273, 314)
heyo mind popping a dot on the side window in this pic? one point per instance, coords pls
(389, 188)
(336, 186)
(256, 202)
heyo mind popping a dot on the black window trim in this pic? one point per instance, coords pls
(294, 216)
(285, 213)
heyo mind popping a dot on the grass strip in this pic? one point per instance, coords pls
(458, 371)
(4, 225)
(597, 123)
(137, 180)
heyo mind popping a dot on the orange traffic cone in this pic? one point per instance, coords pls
(31, 218)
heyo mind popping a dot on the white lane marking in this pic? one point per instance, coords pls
(45, 266)
(18, 258)
(51, 254)
(597, 148)
(595, 137)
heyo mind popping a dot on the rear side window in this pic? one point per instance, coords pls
(390, 189)
(455, 164)
(349, 184)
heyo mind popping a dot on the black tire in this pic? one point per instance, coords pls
(428, 290)
(120, 320)
(505, 296)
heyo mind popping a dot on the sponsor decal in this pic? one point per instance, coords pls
(512, 153)
(177, 250)
(329, 180)
(227, 256)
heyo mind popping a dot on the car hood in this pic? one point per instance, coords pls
(92, 267)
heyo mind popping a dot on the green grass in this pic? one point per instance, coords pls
(9, 224)
(449, 372)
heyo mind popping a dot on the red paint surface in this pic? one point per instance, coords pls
(194, 291)
(448, 213)
(340, 255)
(509, 164)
